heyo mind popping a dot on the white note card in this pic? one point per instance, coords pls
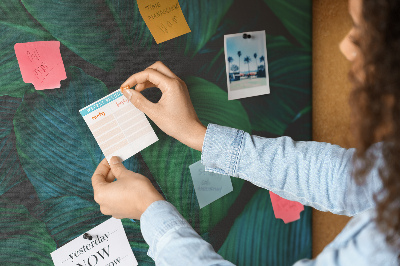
(108, 247)
(209, 186)
(118, 126)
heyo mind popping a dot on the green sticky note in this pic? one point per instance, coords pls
(209, 186)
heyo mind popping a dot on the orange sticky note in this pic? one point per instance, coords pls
(288, 211)
(164, 18)
(41, 63)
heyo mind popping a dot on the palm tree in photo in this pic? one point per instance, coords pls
(230, 60)
(234, 68)
(239, 54)
(255, 58)
(247, 60)
(262, 59)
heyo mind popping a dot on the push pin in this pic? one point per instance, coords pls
(88, 236)
(125, 88)
(246, 36)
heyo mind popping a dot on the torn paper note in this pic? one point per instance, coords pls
(41, 63)
(105, 244)
(209, 186)
(164, 18)
(118, 126)
(287, 210)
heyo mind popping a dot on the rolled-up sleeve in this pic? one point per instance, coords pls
(313, 173)
(172, 240)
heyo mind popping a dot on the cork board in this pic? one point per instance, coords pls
(331, 89)
(48, 154)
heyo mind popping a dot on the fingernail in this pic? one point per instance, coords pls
(129, 93)
(125, 88)
(115, 160)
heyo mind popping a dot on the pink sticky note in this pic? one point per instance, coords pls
(41, 63)
(288, 211)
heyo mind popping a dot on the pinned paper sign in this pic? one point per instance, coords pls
(209, 186)
(164, 18)
(288, 211)
(106, 244)
(41, 63)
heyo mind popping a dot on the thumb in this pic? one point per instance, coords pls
(138, 100)
(99, 176)
(117, 167)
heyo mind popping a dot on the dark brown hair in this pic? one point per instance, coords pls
(375, 102)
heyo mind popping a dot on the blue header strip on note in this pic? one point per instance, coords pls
(100, 103)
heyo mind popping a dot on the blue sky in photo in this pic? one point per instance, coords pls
(248, 47)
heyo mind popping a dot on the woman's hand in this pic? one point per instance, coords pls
(174, 113)
(127, 197)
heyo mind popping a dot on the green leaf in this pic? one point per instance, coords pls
(57, 150)
(68, 217)
(212, 105)
(11, 172)
(289, 69)
(78, 26)
(203, 18)
(169, 160)
(11, 82)
(258, 238)
(24, 239)
(296, 16)
(14, 12)
(203, 23)
(134, 29)
(8, 107)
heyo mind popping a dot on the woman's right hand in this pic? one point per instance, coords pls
(174, 113)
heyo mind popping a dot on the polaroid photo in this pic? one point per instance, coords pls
(246, 64)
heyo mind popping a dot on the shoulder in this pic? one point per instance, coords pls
(361, 241)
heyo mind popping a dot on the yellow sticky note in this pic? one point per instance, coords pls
(164, 18)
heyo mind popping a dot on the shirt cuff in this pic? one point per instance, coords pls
(221, 150)
(158, 219)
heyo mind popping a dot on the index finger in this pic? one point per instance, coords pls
(160, 67)
(100, 174)
(157, 78)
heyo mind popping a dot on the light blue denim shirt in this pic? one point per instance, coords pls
(312, 173)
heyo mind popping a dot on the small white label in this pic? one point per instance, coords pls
(108, 247)
(209, 186)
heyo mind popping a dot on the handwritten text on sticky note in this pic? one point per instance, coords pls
(164, 18)
(288, 211)
(41, 63)
(209, 186)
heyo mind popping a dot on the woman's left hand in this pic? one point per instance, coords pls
(127, 197)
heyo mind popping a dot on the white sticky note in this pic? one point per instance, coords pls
(109, 246)
(209, 186)
(118, 126)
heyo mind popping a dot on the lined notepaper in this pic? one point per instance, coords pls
(118, 126)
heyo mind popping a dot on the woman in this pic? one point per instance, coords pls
(320, 175)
